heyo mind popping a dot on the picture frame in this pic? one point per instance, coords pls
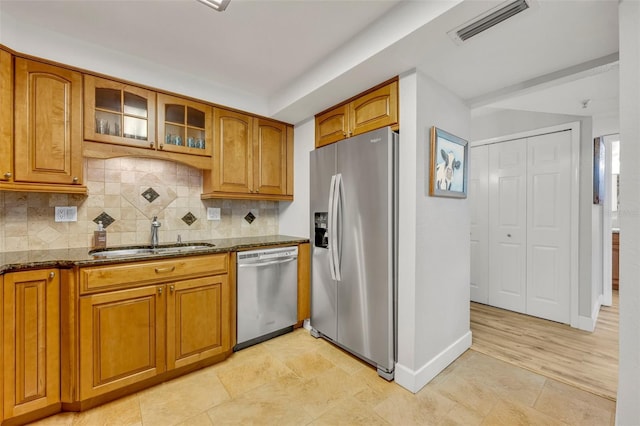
(449, 165)
(598, 171)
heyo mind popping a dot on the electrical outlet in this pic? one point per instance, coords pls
(66, 214)
(213, 213)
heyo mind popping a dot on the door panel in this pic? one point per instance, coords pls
(324, 301)
(507, 225)
(6, 116)
(332, 126)
(479, 217)
(120, 334)
(270, 157)
(364, 292)
(196, 326)
(548, 226)
(31, 341)
(374, 110)
(233, 152)
(48, 128)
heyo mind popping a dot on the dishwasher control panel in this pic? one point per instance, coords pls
(267, 254)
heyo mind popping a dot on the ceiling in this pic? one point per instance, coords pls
(292, 58)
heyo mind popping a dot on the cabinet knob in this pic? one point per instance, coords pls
(172, 288)
(160, 290)
(8, 175)
(52, 275)
(509, 235)
(161, 146)
(75, 179)
(150, 144)
(257, 190)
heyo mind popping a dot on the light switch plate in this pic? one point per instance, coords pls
(213, 213)
(66, 214)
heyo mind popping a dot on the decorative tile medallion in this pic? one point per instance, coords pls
(105, 218)
(249, 217)
(189, 218)
(150, 195)
(164, 194)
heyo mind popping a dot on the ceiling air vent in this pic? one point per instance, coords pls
(488, 20)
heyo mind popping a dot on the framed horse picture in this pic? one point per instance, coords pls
(448, 171)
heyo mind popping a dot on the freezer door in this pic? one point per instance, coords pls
(365, 291)
(323, 287)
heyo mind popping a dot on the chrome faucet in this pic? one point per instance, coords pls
(154, 231)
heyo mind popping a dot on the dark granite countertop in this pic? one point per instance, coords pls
(68, 258)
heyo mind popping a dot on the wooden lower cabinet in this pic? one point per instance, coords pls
(196, 328)
(130, 335)
(31, 337)
(304, 281)
(121, 339)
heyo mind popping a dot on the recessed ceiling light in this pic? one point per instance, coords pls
(218, 5)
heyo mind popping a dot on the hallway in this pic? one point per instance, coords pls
(588, 361)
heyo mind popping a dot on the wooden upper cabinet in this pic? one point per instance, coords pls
(6, 116)
(119, 113)
(48, 124)
(232, 169)
(332, 126)
(270, 157)
(370, 110)
(374, 110)
(31, 328)
(184, 126)
(252, 158)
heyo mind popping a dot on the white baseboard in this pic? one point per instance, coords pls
(416, 380)
(589, 323)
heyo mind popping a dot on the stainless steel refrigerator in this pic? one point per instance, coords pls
(354, 251)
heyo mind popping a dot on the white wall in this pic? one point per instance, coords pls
(628, 408)
(606, 125)
(434, 240)
(294, 215)
(507, 122)
(25, 38)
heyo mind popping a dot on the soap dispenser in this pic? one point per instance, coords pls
(100, 237)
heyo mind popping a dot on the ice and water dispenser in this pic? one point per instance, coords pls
(321, 235)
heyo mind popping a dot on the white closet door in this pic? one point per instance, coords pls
(479, 206)
(548, 226)
(507, 224)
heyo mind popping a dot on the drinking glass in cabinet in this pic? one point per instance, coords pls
(102, 126)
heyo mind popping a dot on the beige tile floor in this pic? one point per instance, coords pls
(297, 380)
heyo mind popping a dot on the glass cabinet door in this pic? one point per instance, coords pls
(119, 113)
(184, 126)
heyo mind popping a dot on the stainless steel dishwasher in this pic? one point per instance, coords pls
(267, 290)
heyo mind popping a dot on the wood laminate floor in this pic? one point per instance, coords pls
(588, 361)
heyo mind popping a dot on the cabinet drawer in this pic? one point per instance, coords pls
(95, 279)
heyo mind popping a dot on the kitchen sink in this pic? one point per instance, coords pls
(148, 250)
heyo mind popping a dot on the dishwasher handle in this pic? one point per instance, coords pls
(272, 262)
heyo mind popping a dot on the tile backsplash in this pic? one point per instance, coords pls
(131, 191)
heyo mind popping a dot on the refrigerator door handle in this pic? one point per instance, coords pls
(331, 219)
(337, 230)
